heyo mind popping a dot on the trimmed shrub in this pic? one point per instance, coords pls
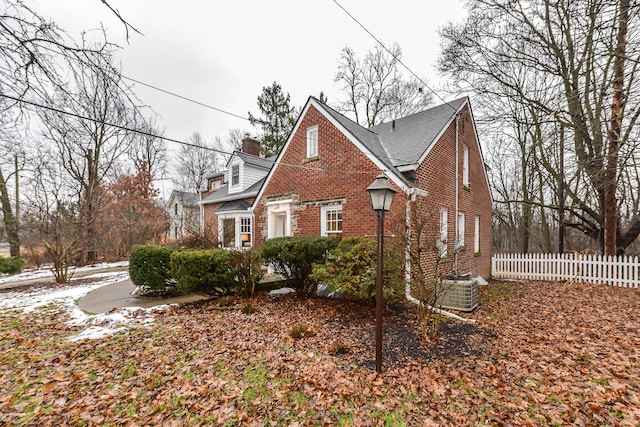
(12, 265)
(351, 268)
(293, 258)
(149, 267)
(212, 271)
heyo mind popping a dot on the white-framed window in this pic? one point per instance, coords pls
(245, 232)
(229, 233)
(235, 231)
(331, 221)
(465, 164)
(476, 235)
(441, 243)
(235, 174)
(460, 237)
(312, 141)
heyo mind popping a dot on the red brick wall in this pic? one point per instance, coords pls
(341, 171)
(437, 175)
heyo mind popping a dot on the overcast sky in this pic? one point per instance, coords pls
(223, 53)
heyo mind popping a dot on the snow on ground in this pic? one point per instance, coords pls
(44, 272)
(66, 297)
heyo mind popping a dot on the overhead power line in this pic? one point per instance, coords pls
(145, 133)
(184, 98)
(391, 53)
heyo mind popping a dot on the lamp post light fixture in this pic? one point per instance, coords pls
(381, 193)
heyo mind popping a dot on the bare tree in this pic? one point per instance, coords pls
(374, 88)
(573, 64)
(148, 150)
(51, 218)
(194, 162)
(35, 52)
(88, 125)
(230, 143)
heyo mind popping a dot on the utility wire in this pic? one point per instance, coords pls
(391, 53)
(184, 98)
(145, 133)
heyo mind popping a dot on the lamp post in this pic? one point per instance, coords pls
(381, 193)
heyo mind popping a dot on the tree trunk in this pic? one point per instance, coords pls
(10, 221)
(610, 184)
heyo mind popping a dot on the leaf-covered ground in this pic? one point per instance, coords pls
(540, 354)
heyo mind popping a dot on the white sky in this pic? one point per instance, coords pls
(223, 53)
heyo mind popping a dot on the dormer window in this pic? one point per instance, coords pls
(312, 141)
(235, 174)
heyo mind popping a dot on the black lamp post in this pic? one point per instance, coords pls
(381, 193)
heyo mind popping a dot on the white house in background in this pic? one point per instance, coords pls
(184, 214)
(226, 202)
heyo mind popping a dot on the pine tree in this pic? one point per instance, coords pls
(276, 120)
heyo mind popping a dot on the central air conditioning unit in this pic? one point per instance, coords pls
(457, 294)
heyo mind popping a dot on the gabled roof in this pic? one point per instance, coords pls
(410, 137)
(222, 194)
(394, 147)
(400, 144)
(185, 198)
(250, 159)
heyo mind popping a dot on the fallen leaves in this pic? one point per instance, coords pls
(540, 354)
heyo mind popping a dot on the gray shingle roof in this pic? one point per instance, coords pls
(411, 138)
(414, 134)
(235, 205)
(256, 161)
(222, 194)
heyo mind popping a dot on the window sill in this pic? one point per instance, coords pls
(466, 187)
(477, 254)
(310, 159)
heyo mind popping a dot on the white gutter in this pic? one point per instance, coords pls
(413, 194)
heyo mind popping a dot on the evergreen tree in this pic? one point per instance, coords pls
(276, 120)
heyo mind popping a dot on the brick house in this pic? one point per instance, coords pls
(432, 158)
(226, 201)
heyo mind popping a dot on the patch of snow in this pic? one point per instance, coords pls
(480, 280)
(281, 291)
(44, 272)
(65, 297)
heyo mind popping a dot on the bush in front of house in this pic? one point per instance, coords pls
(351, 268)
(248, 270)
(11, 265)
(150, 268)
(293, 258)
(211, 270)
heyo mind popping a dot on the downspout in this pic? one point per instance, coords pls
(457, 231)
(407, 259)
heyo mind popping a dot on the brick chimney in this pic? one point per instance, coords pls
(250, 145)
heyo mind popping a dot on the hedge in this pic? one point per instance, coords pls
(150, 267)
(212, 271)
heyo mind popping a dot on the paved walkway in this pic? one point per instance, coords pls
(118, 294)
(114, 295)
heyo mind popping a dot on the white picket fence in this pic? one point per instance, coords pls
(620, 271)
